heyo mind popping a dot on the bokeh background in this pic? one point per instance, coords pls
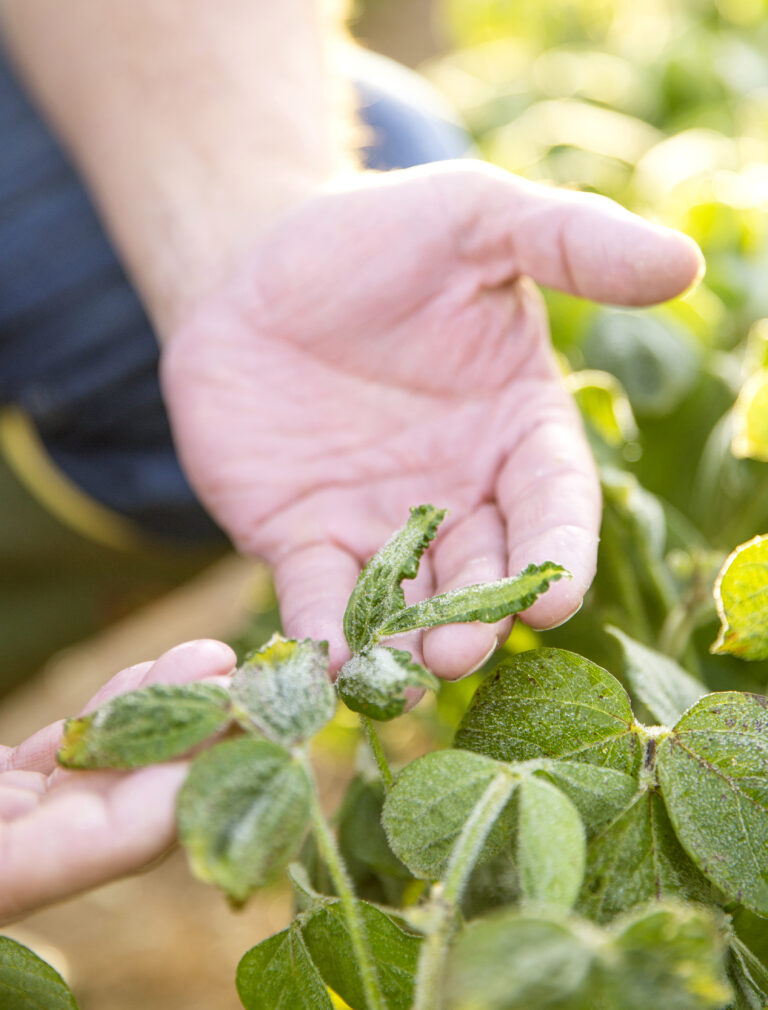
(662, 105)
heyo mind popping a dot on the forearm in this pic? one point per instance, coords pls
(194, 124)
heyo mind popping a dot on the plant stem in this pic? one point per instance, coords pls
(447, 894)
(378, 751)
(329, 850)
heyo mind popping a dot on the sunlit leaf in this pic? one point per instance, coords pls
(750, 419)
(604, 405)
(242, 813)
(28, 983)
(487, 602)
(146, 726)
(713, 772)
(378, 594)
(278, 974)
(551, 703)
(284, 690)
(550, 845)
(374, 682)
(741, 595)
(661, 684)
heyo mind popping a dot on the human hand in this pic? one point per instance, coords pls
(62, 832)
(384, 347)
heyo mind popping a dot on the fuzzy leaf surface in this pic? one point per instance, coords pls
(749, 976)
(378, 593)
(429, 804)
(374, 682)
(741, 595)
(598, 793)
(285, 690)
(551, 847)
(29, 983)
(395, 953)
(278, 974)
(242, 813)
(661, 684)
(144, 727)
(637, 859)
(713, 772)
(549, 703)
(487, 602)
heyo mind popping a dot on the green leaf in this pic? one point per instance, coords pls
(242, 813)
(146, 726)
(486, 602)
(713, 772)
(637, 859)
(278, 974)
(667, 957)
(377, 594)
(28, 983)
(661, 684)
(599, 794)
(749, 977)
(750, 419)
(550, 844)
(549, 703)
(362, 841)
(741, 595)
(603, 403)
(395, 954)
(429, 804)
(375, 682)
(284, 690)
(510, 961)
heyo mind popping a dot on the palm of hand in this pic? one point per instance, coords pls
(381, 350)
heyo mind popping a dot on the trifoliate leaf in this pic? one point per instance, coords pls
(374, 682)
(28, 983)
(429, 804)
(377, 594)
(284, 690)
(741, 595)
(599, 794)
(144, 727)
(278, 974)
(661, 684)
(713, 773)
(395, 954)
(487, 602)
(549, 703)
(637, 859)
(242, 813)
(750, 419)
(550, 844)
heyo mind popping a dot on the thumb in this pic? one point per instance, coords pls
(579, 243)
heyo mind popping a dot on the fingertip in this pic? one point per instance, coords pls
(667, 265)
(457, 650)
(575, 549)
(189, 661)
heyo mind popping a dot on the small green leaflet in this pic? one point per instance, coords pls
(362, 841)
(638, 859)
(749, 977)
(549, 703)
(741, 595)
(278, 974)
(550, 845)
(599, 794)
(242, 813)
(374, 682)
(661, 684)
(284, 690)
(429, 804)
(713, 772)
(395, 953)
(143, 727)
(750, 419)
(486, 602)
(28, 983)
(377, 594)
(603, 403)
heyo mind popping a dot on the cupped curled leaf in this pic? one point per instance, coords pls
(741, 595)
(549, 703)
(284, 690)
(713, 773)
(144, 727)
(279, 974)
(29, 983)
(242, 813)
(661, 684)
(378, 594)
(487, 602)
(375, 682)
